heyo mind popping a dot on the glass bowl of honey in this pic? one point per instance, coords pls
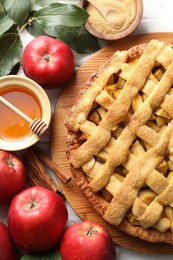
(30, 98)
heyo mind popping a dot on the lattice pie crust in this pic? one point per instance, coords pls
(120, 141)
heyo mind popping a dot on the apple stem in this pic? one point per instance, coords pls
(28, 22)
(10, 162)
(91, 231)
(46, 57)
(32, 204)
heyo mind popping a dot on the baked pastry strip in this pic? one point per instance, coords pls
(127, 193)
(120, 151)
(121, 106)
(81, 110)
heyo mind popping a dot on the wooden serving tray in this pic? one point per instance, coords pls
(58, 143)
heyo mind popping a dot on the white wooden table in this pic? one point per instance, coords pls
(157, 17)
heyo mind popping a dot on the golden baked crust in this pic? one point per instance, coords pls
(120, 141)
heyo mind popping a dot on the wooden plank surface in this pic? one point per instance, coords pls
(58, 143)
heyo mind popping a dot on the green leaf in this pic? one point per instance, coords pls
(15, 69)
(53, 255)
(13, 29)
(10, 52)
(45, 2)
(35, 29)
(61, 14)
(77, 38)
(1, 7)
(18, 10)
(5, 22)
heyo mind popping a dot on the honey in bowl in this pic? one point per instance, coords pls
(12, 126)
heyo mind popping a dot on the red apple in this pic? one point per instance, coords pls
(87, 240)
(48, 61)
(36, 219)
(12, 176)
(7, 248)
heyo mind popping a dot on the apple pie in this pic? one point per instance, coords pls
(120, 141)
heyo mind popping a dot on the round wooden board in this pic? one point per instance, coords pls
(58, 143)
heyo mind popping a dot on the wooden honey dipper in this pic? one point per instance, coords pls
(36, 125)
